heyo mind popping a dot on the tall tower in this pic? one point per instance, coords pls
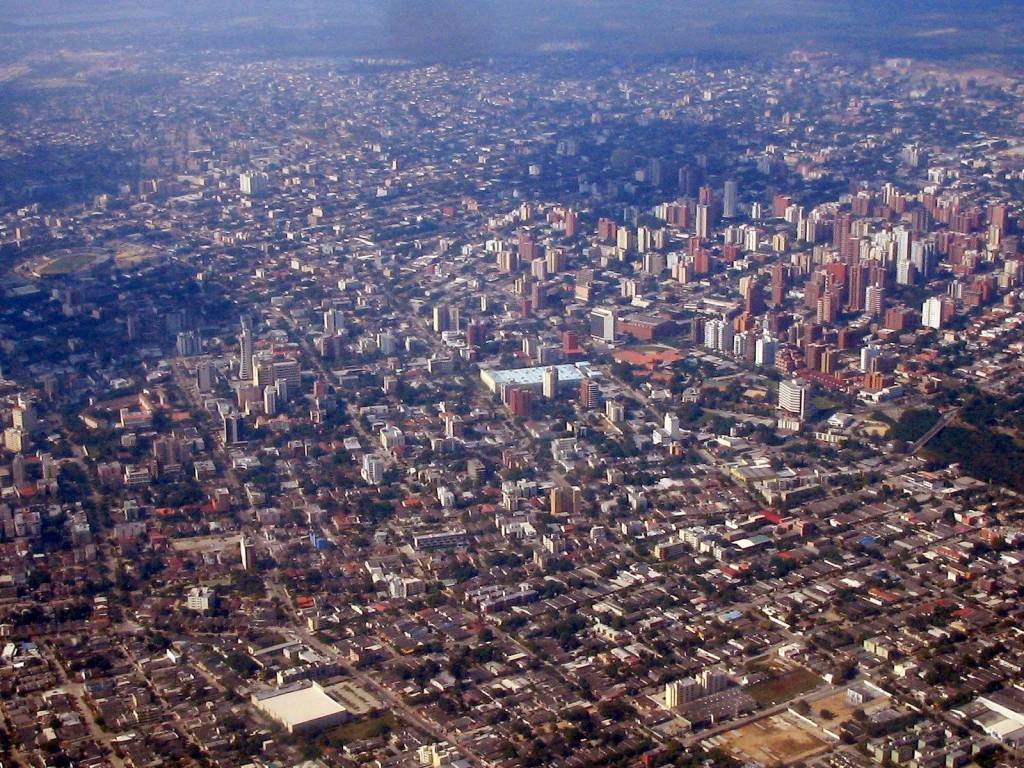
(550, 383)
(729, 200)
(703, 224)
(245, 355)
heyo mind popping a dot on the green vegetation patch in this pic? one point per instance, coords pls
(66, 265)
(994, 457)
(914, 424)
(372, 727)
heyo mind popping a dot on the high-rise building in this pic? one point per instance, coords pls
(905, 272)
(289, 372)
(253, 183)
(270, 401)
(549, 386)
(922, 256)
(373, 469)
(15, 439)
(204, 376)
(778, 272)
(232, 432)
(245, 354)
(590, 393)
(189, 343)
(932, 315)
(441, 318)
(764, 351)
(718, 335)
(793, 397)
(868, 355)
(23, 416)
(702, 225)
(332, 321)
(262, 370)
(519, 401)
(18, 469)
(730, 200)
(874, 300)
(602, 324)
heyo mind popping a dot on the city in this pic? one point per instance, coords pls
(383, 413)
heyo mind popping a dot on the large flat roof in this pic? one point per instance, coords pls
(294, 706)
(534, 377)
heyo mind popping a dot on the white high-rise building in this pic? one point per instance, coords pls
(764, 351)
(332, 321)
(931, 313)
(718, 335)
(868, 354)
(922, 256)
(270, 401)
(672, 425)
(550, 383)
(902, 237)
(602, 324)
(373, 469)
(793, 397)
(245, 355)
(253, 183)
(905, 272)
(702, 224)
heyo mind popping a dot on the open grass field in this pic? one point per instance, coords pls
(363, 729)
(784, 686)
(66, 262)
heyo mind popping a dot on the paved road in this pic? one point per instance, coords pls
(939, 425)
(77, 692)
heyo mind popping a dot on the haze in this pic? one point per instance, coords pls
(449, 29)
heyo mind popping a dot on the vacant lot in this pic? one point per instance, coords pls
(774, 741)
(362, 729)
(784, 686)
(840, 706)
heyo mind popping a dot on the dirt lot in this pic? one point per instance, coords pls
(839, 706)
(775, 741)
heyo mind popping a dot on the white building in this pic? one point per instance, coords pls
(602, 324)
(931, 313)
(200, 599)
(373, 469)
(764, 351)
(253, 183)
(301, 708)
(550, 383)
(794, 397)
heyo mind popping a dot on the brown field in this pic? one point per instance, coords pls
(839, 706)
(775, 741)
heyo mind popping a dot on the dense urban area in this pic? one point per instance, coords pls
(367, 413)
